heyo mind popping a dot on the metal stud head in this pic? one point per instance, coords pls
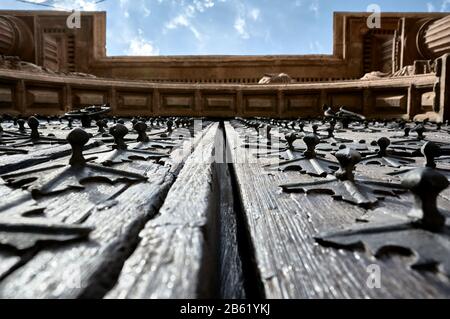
(101, 126)
(420, 129)
(407, 130)
(348, 158)
(383, 143)
(315, 128)
(77, 138)
(301, 126)
(21, 123)
(141, 129)
(70, 122)
(86, 121)
(290, 139)
(119, 131)
(330, 131)
(169, 126)
(430, 150)
(426, 184)
(33, 123)
(311, 141)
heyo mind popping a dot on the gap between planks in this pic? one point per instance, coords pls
(177, 256)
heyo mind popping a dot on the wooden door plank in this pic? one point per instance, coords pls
(289, 262)
(176, 255)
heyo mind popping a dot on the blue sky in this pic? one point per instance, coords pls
(242, 27)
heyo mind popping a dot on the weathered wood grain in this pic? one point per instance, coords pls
(288, 260)
(88, 269)
(9, 261)
(177, 257)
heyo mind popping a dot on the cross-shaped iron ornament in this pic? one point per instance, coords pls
(21, 233)
(424, 231)
(409, 144)
(48, 179)
(20, 139)
(121, 153)
(430, 151)
(384, 157)
(307, 162)
(6, 149)
(344, 186)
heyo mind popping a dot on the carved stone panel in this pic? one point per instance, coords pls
(176, 103)
(219, 104)
(302, 104)
(42, 97)
(351, 101)
(262, 105)
(84, 98)
(134, 101)
(391, 102)
(6, 97)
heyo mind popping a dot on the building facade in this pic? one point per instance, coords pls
(68, 68)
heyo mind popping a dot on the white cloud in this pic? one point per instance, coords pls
(314, 7)
(189, 11)
(241, 27)
(85, 5)
(430, 7)
(445, 5)
(180, 20)
(245, 19)
(255, 13)
(202, 5)
(138, 46)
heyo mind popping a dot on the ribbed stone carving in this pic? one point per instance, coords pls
(434, 38)
(8, 36)
(16, 38)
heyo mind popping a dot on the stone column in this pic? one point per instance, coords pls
(16, 38)
(434, 38)
(8, 36)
